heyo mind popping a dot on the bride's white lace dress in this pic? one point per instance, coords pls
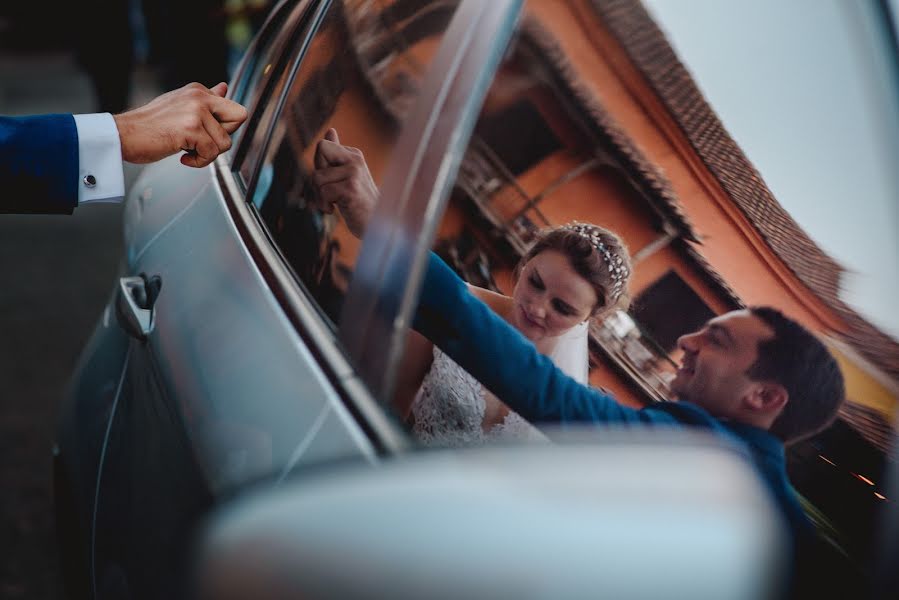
(450, 405)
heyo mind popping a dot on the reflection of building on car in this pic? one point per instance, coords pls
(251, 373)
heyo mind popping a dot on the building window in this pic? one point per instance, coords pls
(668, 309)
(518, 135)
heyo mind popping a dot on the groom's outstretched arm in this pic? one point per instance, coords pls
(503, 360)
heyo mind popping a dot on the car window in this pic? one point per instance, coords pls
(259, 64)
(545, 152)
(360, 74)
(271, 75)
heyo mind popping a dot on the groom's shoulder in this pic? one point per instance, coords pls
(682, 412)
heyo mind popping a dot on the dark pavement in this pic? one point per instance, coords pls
(55, 275)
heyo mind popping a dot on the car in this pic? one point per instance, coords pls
(241, 373)
(232, 349)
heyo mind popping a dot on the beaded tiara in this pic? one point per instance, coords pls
(614, 263)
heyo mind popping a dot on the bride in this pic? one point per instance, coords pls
(570, 275)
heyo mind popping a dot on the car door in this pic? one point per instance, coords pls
(219, 392)
(163, 455)
(248, 366)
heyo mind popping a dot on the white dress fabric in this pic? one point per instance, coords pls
(571, 353)
(449, 407)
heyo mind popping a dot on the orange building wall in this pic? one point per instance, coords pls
(602, 195)
(730, 243)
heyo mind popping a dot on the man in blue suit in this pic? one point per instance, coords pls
(53, 163)
(752, 377)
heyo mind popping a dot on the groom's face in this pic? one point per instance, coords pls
(715, 362)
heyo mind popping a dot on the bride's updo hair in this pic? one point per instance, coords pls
(596, 254)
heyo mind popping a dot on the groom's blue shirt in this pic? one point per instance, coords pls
(507, 364)
(38, 164)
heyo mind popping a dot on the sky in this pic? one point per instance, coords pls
(804, 88)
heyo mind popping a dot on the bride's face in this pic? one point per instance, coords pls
(550, 297)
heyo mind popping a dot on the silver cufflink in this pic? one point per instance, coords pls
(89, 180)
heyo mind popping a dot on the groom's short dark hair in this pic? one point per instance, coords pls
(802, 364)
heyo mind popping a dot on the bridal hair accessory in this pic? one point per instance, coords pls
(614, 263)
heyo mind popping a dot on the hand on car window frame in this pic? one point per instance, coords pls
(343, 180)
(194, 119)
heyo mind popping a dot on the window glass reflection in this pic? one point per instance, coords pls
(260, 66)
(362, 71)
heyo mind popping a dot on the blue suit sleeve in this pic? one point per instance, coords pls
(39, 164)
(504, 361)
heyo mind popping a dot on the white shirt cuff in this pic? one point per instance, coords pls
(100, 174)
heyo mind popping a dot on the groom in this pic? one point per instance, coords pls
(754, 377)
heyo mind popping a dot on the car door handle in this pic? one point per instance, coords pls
(135, 301)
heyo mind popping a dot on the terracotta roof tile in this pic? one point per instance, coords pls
(653, 56)
(537, 39)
